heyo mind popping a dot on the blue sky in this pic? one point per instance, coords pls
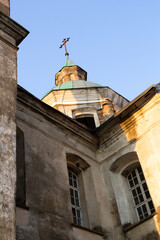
(116, 41)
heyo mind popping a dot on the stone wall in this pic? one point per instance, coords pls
(8, 91)
(11, 34)
(5, 7)
(71, 73)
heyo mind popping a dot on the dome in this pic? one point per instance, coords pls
(76, 84)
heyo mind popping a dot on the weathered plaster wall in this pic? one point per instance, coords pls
(48, 214)
(49, 136)
(146, 231)
(83, 235)
(47, 193)
(144, 127)
(123, 144)
(8, 89)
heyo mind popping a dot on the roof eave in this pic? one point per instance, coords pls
(130, 108)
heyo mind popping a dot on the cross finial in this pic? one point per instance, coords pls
(64, 43)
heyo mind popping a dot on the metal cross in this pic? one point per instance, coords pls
(64, 43)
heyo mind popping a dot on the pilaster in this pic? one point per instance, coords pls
(11, 34)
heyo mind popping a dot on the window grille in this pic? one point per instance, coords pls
(75, 198)
(140, 193)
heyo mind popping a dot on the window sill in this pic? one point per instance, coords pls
(86, 229)
(128, 227)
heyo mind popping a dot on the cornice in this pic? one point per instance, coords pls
(128, 110)
(56, 117)
(109, 133)
(13, 29)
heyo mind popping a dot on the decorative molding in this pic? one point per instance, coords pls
(13, 29)
(57, 117)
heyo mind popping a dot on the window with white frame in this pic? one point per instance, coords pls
(75, 198)
(140, 193)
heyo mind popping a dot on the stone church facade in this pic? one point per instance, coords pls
(80, 164)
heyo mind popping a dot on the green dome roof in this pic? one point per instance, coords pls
(74, 85)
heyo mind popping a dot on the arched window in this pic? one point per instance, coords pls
(140, 193)
(76, 170)
(75, 198)
(130, 189)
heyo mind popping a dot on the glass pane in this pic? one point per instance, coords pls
(135, 181)
(72, 201)
(70, 174)
(70, 182)
(145, 186)
(78, 214)
(77, 202)
(139, 211)
(129, 177)
(138, 190)
(151, 206)
(136, 200)
(147, 194)
(76, 194)
(141, 217)
(141, 198)
(133, 173)
(75, 184)
(141, 176)
(134, 193)
(139, 169)
(131, 183)
(144, 208)
(146, 214)
(74, 177)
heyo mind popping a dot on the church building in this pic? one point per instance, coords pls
(82, 163)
